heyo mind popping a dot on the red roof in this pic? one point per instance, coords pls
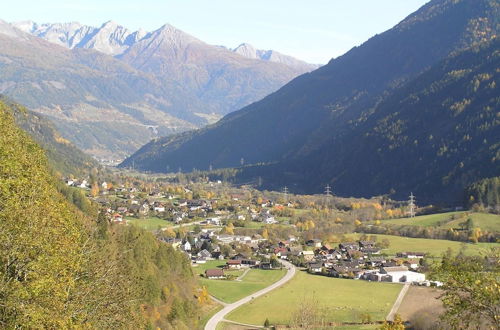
(234, 262)
(214, 272)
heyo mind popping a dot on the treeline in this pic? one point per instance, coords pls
(485, 195)
(63, 268)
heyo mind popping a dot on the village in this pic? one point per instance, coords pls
(205, 232)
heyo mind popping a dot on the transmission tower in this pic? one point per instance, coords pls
(285, 192)
(411, 204)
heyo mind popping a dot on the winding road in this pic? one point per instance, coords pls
(219, 316)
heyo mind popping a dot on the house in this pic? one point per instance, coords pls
(265, 265)
(349, 246)
(314, 243)
(214, 221)
(159, 208)
(308, 255)
(186, 246)
(412, 263)
(233, 264)
(205, 254)
(316, 267)
(215, 274)
(410, 255)
(250, 263)
(200, 260)
(270, 221)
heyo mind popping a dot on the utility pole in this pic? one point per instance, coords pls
(328, 190)
(328, 193)
(285, 192)
(411, 204)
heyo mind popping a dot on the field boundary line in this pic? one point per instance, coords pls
(397, 303)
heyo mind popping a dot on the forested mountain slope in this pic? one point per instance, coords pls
(62, 155)
(61, 269)
(433, 137)
(319, 113)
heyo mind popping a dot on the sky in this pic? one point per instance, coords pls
(314, 30)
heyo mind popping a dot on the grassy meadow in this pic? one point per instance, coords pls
(343, 300)
(436, 247)
(148, 223)
(231, 290)
(485, 221)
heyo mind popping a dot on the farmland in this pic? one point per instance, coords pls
(149, 223)
(341, 300)
(232, 290)
(485, 221)
(436, 247)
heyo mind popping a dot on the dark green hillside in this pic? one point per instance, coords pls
(62, 270)
(434, 136)
(63, 156)
(300, 121)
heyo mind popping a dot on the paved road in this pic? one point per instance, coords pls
(397, 303)
(212, 323)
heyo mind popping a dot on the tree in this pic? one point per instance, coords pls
(265, 234)
(397, 324)
(266, 323)
(94, 191)
(471, 290)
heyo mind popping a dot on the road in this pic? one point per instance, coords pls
(212, 323)
(397, 303)
(183, 225)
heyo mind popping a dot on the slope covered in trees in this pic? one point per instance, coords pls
(312, 131)
(60, 269)
(62, 155)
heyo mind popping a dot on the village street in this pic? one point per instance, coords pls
(212, 323)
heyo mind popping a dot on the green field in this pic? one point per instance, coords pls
(231, 291)
(436, 247)
(485, 221)
(343, 300)
(151, 223)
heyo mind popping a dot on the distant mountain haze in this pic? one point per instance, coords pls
(110, 90)
(326, 127)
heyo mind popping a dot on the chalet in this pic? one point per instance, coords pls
(215, 274)
(411, 255)
(366, 244)
(233, 264)
(412, 263)
(217, 255)
(308, 255)
(349, 246)
(265, 265)
(250, 262)
(214, 221)
(314, 243)
(315, 267)
(205, 254)
(200, 260)
(122, 209)
(238, 256)
(186, 246)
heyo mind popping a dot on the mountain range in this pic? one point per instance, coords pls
(412, 109)
(109, 90)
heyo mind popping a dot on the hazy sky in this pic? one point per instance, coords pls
(314, 30)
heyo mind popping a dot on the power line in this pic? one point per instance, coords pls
(328, 190)
(411, 204)
(285, 192)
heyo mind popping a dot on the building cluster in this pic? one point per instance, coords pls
(362, 260)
